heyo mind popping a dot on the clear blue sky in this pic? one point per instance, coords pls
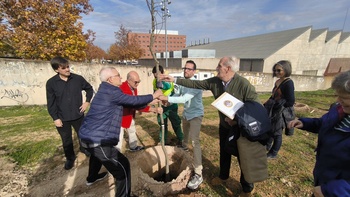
(217, 19)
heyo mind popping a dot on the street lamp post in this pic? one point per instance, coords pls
(165, 15)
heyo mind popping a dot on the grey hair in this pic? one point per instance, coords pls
(286, 65)
(105, 73)
(232, 62)
(341, 83)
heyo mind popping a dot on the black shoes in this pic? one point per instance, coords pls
(271, 156)
(100, 177)
(69, 164)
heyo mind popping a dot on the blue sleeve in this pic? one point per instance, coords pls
(181, 99)
(314, 124)
(336, 188)
(131, 101)
(311, 124)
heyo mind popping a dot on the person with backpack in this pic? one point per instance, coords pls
(331, 171)
(282, 99)
(228, 80)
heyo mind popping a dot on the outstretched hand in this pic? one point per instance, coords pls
(167, 78)
(295, 123)
(154, 102)
(157, 93)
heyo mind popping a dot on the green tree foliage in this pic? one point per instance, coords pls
(41, 29)
(126, 46)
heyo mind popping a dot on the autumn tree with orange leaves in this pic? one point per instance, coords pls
(42, 29)
(126, 46)
(92, 51)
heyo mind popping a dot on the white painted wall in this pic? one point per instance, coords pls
(23, 82)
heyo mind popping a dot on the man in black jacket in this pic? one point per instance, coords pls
(65, 104)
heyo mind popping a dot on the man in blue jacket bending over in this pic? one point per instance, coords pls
(100, 130)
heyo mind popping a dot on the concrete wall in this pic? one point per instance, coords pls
(310, 55)
(23, 82)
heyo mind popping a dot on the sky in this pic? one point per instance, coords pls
(215, 20)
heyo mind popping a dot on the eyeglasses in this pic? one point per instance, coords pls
(277, 70)
(64, 67)
(190, 69)
(137, 82)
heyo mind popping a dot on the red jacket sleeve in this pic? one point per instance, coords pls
(128, 113)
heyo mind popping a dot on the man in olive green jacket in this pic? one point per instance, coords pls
(227, 80)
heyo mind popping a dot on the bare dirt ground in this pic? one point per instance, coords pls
(50, 178)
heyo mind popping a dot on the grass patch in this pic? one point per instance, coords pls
(28, 137)
(28, 134)
(30, 153)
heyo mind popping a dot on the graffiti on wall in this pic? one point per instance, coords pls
(15, 95)
(24, 82)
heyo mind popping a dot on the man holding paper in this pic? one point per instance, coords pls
(227, 80)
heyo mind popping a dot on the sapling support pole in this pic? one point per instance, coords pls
(167, 174)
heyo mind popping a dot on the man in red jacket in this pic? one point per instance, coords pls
(128, 123)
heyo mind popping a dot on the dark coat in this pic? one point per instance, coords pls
(332, 168)
(101, 126)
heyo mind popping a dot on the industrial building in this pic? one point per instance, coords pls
(314, 52)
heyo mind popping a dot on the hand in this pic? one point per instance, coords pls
(159, 110)
(167, 78)
(295, 123)
(154, 102)
(58, 123)
(230, 122)
(318, 192)
(84, 106)
(163, 98)
(165, 103)
(157, 94)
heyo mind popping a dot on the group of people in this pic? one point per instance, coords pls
(112, 112)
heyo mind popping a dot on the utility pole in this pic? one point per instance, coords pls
(165, 16)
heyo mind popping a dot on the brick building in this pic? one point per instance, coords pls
(175, 42)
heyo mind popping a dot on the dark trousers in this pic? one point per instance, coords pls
(116, 163)
(225, 161)
(66, 136)
(171, 113)
(275, 142)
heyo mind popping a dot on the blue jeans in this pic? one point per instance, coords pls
(275, 143)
